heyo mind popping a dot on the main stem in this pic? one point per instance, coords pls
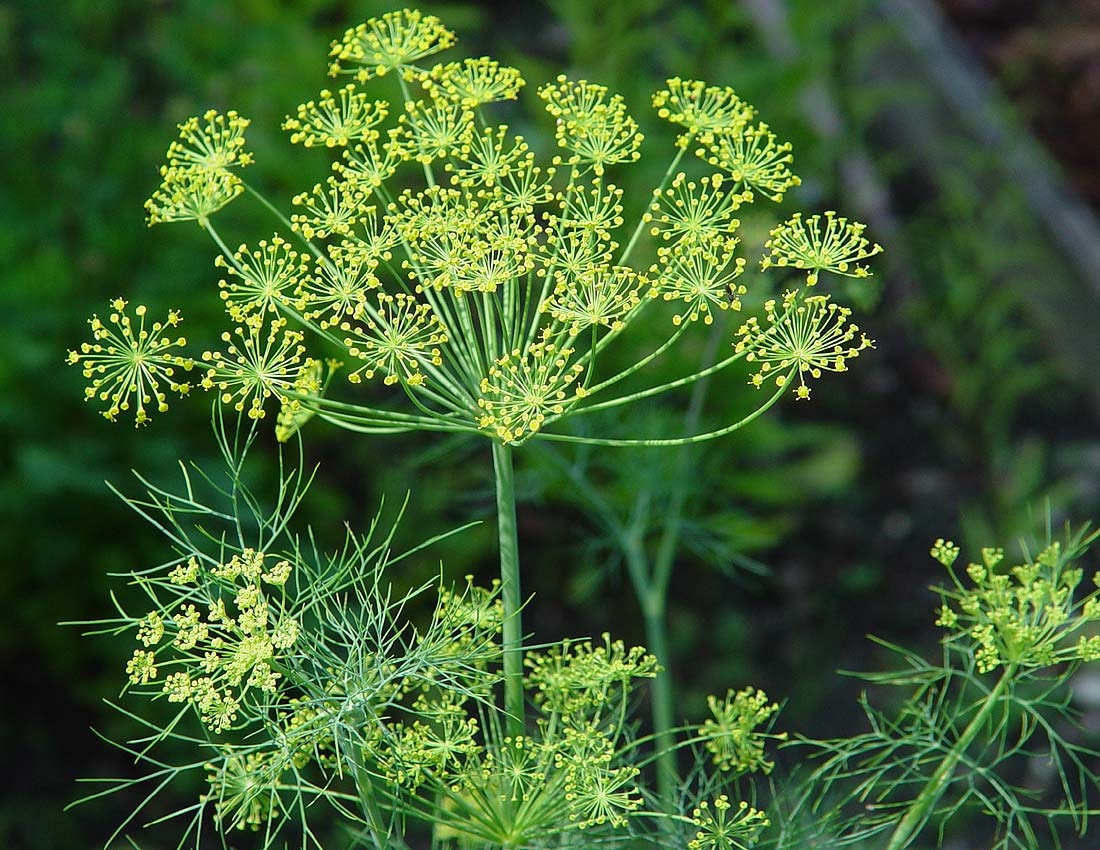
(509, 588)
(917, 814)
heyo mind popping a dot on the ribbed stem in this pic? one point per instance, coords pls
(661, 700)
(509, 588)
(916, 816)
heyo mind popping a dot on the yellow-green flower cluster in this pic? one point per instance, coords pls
(127, 363)
(755, 160)
(803, 336)
(473, 82)
(512, 789)
(488, 295)
(703, 111)
(594, 127)
(582, 679)
(702, 274)
(1026, 615)
(225, 650)
(732, 735)
(720, 827)
(262, 358)
(816, 245)
(405, 335)
(524, 387)
(336, 120)
(392, 42)
(197, 179)
(263, 279)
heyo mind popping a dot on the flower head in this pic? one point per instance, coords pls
(602, 295)
(191, 194)
(434, 129)
(127, 363)
(703, 111)
(473, 82)
(262, 279)
(336, 120)
(702, 274)
(260, 361)
(721, 827)
(196, 182)
(731, 734)
(754, 159)
(816, 245)
(213, 143)
(594, 127)
(1026, 615)
(487, 157)
(338, 289)
(523, 388)
(311, 381)
(399, 338)
(694, 211)
(810, 336)
(330, 211)
(391, 42)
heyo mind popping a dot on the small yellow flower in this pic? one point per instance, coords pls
(262, 279)
(596, 128)
(702, 274)
(142, 668)
(327, 212)
(338, 289)
(191, 194)
(719, 829)
(704, 111)
(819, 244)
(434, 130)
(486, 157)
(596, 209)
(731, 735)
(126, 364)
(213, 144)
(811, 336)
(602, 296)
(368, 165)
(524, 387)
(336, 120)
(388, 43)
(255, 365)
(399, 337)
(754, 159)
(694, 211)
(473, 82)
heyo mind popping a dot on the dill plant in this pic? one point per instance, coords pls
(486, 301)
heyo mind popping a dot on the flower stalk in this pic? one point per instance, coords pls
(917, 814)
(510, 595)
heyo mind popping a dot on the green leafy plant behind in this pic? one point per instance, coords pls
(486, 301)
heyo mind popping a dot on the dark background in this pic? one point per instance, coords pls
(967, 143)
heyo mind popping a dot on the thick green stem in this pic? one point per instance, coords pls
(509, 588)
(654, 598)
(656, 636)
(917, 814)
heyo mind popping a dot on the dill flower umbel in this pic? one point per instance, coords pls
(488, 295)
(731, 734)
(1034, 614)
(127, 365)
(817, 245)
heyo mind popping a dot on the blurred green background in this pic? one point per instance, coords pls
(975, 417)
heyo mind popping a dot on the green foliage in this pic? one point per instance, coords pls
(725, 508)
(958, 741)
